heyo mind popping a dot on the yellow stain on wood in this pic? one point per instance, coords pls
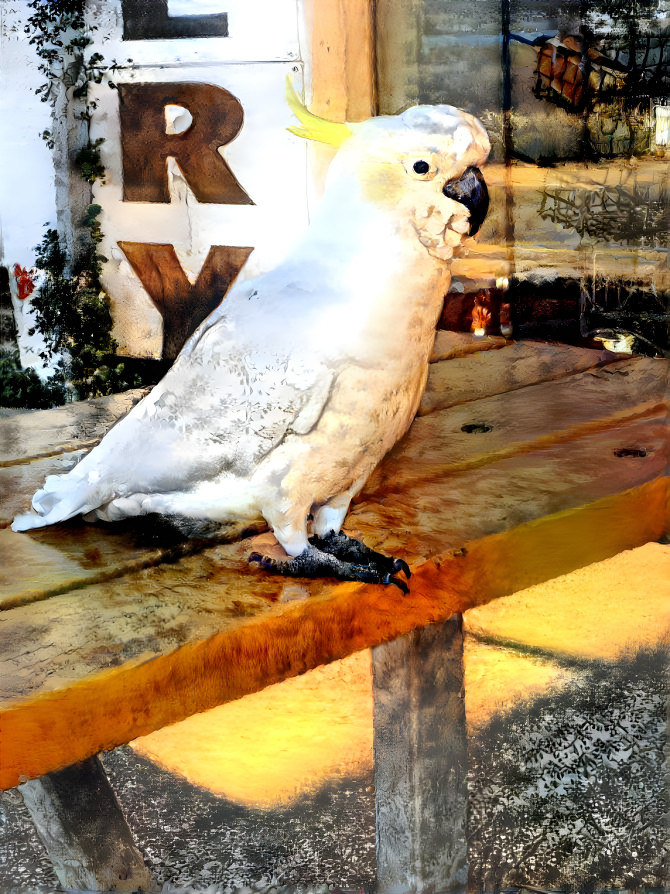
(120, 704)
(274, 746)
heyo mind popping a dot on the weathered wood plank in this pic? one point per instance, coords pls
(65, 557)
(493, 428)
(49, 645)
(460, 344)
(469, 369)
(343, 72)
(18, 482)
(415, 513)
(48, 433)
(71, 429)
(420, 761)
(75, 712)
(155, 645)
(470, 378)
(75, 426)
(442, 511)
(40, 436)
(80, 823)
(532, 177)
(158, 609)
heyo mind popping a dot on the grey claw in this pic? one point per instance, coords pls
(401, 565)
(261, 560)
(400, 584)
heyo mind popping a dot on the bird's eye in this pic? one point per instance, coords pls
(420, 168)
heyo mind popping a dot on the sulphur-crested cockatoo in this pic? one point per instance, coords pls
(289, 394)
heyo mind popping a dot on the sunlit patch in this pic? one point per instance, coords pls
(496, 680)
(277, 745)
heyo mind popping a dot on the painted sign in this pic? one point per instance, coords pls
(203, 181)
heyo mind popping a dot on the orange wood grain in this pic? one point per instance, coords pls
(342, 58)
(53, 730)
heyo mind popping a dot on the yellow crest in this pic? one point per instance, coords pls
(312, 127)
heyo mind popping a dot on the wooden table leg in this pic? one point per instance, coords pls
(420, 761)
(82, 827)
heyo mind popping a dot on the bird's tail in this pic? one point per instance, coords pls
(61, 498)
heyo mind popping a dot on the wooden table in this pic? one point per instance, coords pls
(527, 460)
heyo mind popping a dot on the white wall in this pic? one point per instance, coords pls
(270, 163)
(26, 169)
(27, 191)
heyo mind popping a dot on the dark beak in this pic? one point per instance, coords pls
(470, 190)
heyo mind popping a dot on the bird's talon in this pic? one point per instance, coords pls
(263, 561)
(400, 584)
(401, 565)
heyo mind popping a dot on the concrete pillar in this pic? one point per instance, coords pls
(80, 823)
(420, 761)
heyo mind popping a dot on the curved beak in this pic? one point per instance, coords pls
(470, 190)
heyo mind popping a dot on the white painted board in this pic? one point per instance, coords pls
(268, 161)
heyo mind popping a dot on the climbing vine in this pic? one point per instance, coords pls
(72, 312)
(71, 308)
(63, 38)
(89, 162)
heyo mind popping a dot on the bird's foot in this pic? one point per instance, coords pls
(314, 562)
(351, 550)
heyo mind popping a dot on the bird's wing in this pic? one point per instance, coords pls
(227, 402)
(244, 383)
(221, 408)
(239, 403)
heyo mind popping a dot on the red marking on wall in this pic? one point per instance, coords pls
(24, 282)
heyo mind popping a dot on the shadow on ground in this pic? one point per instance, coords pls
(568, 792)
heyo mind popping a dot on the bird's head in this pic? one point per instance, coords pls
(422, 165)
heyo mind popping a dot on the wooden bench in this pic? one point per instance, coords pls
(526, 461)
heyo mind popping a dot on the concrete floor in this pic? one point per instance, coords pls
(567, 789)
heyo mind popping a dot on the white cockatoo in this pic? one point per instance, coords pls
(289, 394)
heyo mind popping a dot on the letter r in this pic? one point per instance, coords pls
(217, 119)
